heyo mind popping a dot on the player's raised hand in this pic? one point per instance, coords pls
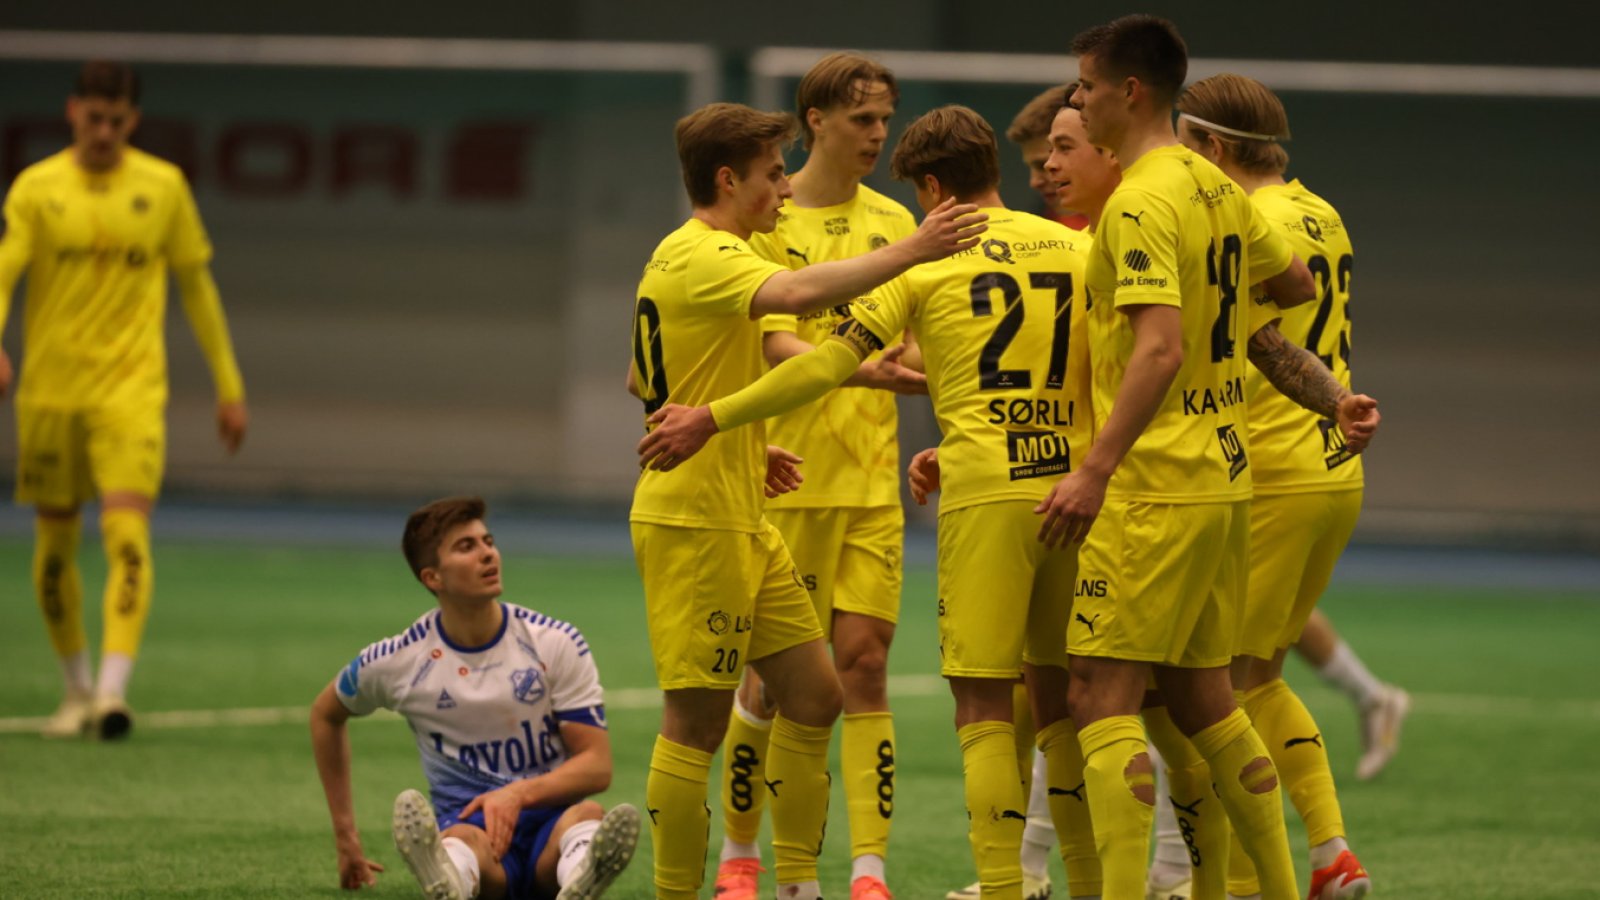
(1358, 421)
(949, 228)
(500, 808)
(783, 472)
(232, 421)
(887, 374)
(5, 375)
(923, 475)
(676, 433)
(1070, 509)
(355, 870)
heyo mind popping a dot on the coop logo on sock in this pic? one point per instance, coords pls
(527, 685)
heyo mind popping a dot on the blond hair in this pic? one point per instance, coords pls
(1241, 104)
(836, 80)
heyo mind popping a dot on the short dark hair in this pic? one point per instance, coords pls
(725, 134)
(1145, 47)
(1035, 119)
(953, 144)
(107, 80)
(426, 527)
(834, 81)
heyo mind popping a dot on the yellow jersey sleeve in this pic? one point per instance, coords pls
(187, 244)
(1296, 450)
(848, 438)
(1146, 269)
(694, 341)
(1269, 251)
(16, 243)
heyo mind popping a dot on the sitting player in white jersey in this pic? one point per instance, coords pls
(509, 719)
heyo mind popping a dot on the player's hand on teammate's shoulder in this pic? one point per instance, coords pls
(1071, 508)
(783, 472)
(677, 432)
(887, 374)
(5, 375)
(1358, 421)
(233, 419)
(500, 807)
(923, 475)
(950, 228)
(355, 870)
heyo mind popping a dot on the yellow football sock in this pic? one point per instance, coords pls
(797, 776)
(1069, 807)
(744, 767)
(129, 578)
(866, 760)
(57, 585)
(1022, 722)
(1121, 790)
(1242, 879)
(675, 797)
(996, 806)
(1295, 742)
(1201, 819)
(1247, 785)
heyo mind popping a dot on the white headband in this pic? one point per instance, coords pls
(1233, 131)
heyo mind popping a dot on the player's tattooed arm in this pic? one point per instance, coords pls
(1299, 375)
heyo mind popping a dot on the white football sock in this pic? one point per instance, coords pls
(466, 863)
(1346, 672)
(575, 848)
(736, 850)
(1324, 854)
(76, 673)
(867, 864)
(1171, 863)
(1039, 835)
(114, 671)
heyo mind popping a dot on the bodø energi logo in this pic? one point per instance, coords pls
(998, 250)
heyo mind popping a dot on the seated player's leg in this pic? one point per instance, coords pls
(586, 851)
(53, 476)
(700, 587)
(1383, 707)
(127, 453)
(865, 607)
(788, 649)
(453, 865)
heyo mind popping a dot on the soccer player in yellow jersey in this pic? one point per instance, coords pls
(720, 587)
(1007, 372)
(96, 228)
(845, 528)
(1308, 485)
(1162, 569)
(1030, 131)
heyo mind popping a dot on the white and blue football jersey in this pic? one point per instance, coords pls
(483, 716)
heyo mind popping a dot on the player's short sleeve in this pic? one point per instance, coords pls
(187, 243)
(780, 322)
(361, 687)
(1268, 248)
(723, 276)
(878, 319)
(1263, 311)
(1140, 234)
(575, 693)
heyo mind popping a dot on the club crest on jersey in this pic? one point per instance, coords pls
(445, 701)
(875, 241)
(527, 685)
(141, 203)
(999, 251)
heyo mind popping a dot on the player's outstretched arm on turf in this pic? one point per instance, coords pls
(586, 772)
(330, 744)
(203, 306)
(1075, 501)
(1303, 378)
(678, 432)
(1291, 287)
(949, 228)
(923, 475)
(888, 372)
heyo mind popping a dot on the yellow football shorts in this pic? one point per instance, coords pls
(1162, 583)
(1295, 541)
(717, 599)
(849, 559)
(1004, 598)
(67, 455)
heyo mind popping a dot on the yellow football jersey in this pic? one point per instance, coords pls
(694, 341)
(848, 438)
(1295, 450)
(96, 248)
(1178, 232)
(1002, 336)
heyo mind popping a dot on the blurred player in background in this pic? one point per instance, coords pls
(845, 529)
(1008, 373)
(1382, 707)
(721, 589)
(96, 227)
(510, 724)
(1030, 131)
(1308, 484)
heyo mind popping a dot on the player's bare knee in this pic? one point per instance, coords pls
(1259, 776)
(864, 675)
(1140, 777)
(471, 835)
